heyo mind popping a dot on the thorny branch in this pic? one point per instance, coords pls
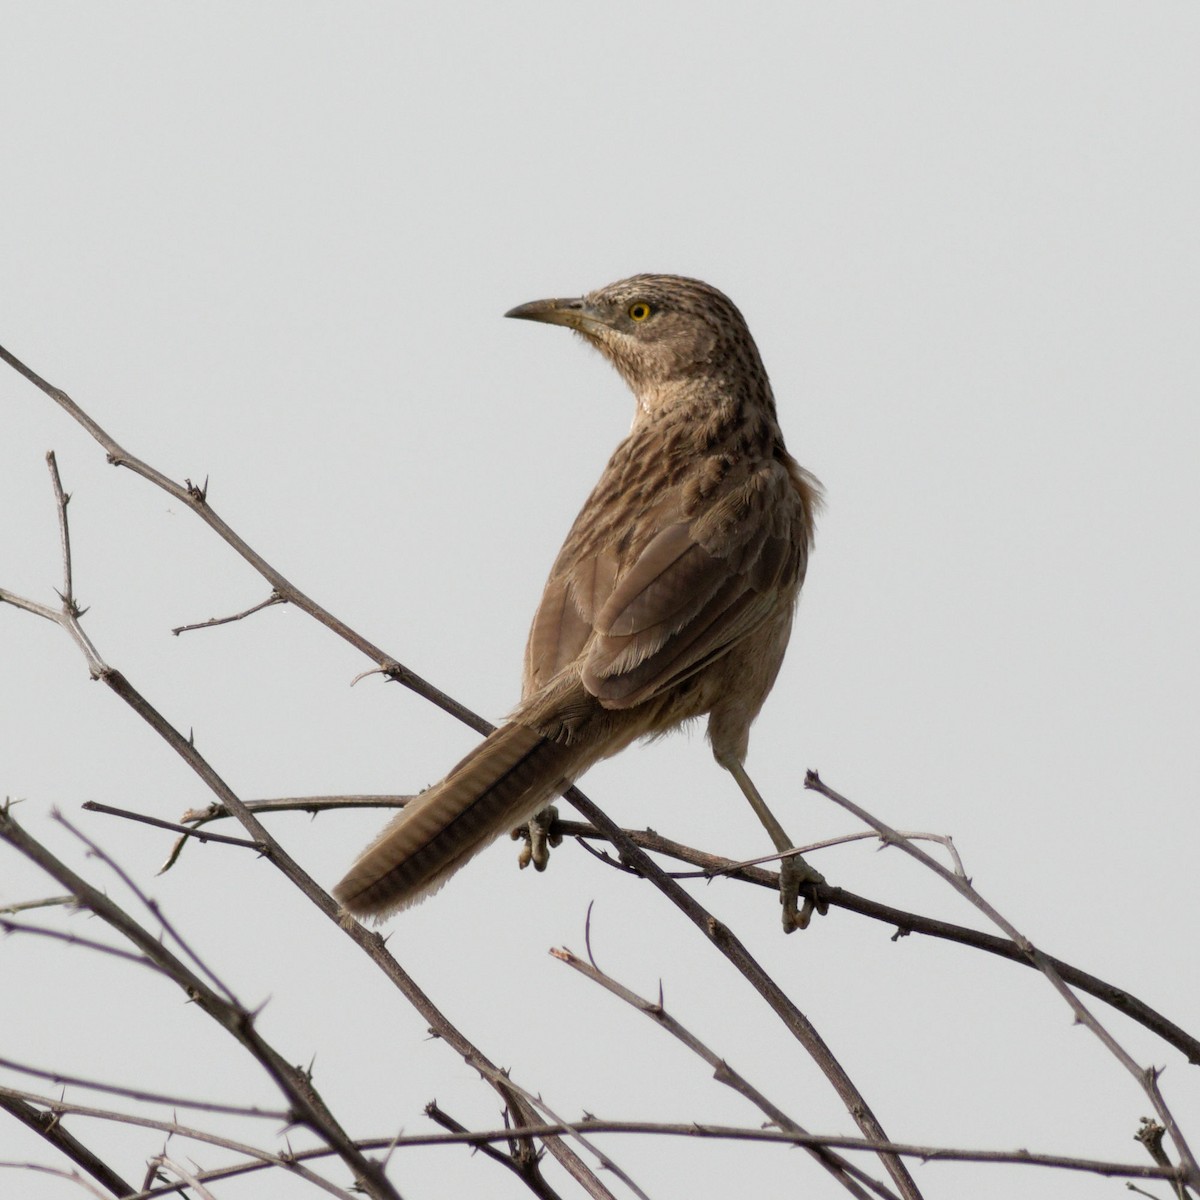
(596, 1126)
(521, 1104)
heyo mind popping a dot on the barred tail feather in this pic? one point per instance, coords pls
(499, 785)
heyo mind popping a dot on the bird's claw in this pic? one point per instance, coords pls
(793, 872)
(540, 836)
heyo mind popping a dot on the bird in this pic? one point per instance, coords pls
(672, 597)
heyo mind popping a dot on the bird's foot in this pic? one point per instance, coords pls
(793, 872)
(539, 835)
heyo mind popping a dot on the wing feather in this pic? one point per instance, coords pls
(694, 585)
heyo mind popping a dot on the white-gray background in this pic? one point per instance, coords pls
(270, 245)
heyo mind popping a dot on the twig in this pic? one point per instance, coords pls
(70, 1176)
(68, 590)
(273, 599)
(48, 902)
(841, 840)
(905, 922)
(197, 817)
(183, 830)
(145, 1097)
(73, 939)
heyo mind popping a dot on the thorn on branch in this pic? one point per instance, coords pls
(607, 859)
(587, 935)
(395, 670)
(380, 670)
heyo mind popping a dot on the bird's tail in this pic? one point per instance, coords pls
(499, 785)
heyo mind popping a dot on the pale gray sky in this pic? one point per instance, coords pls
(270, 246)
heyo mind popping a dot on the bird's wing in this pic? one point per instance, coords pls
(696, 587)
(565, 619)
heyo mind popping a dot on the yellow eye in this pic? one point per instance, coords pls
(639, 311)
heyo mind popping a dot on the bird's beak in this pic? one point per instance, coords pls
(574, 313)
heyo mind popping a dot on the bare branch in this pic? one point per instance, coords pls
(73, 939)
(195, 818)
(273, 599)
(68, 590)
(70, 1176)
(29, 606)
(841, 840)
(48, 902)
(594, 1126)
(146, 1097)
(183, 830)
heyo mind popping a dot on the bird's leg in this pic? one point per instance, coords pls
(793, 870)
(539, 836)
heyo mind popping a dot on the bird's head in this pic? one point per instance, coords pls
(663, 333)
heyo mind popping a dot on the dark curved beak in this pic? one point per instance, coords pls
(572, 313)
